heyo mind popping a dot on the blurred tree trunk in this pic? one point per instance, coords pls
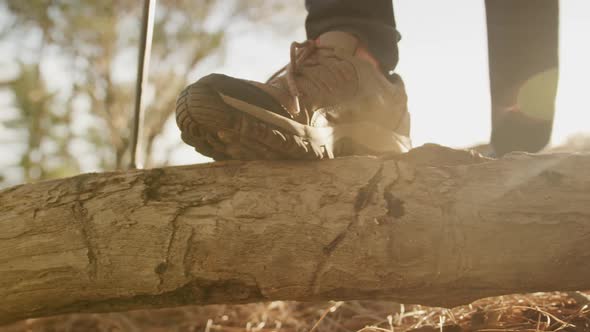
(435, 226)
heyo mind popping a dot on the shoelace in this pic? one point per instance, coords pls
(308, 48)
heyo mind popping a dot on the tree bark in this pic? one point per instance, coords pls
(435, 226)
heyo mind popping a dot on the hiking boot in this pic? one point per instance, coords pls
(329, 101)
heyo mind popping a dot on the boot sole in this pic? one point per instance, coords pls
(223, 127)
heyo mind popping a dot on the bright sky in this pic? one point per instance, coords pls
(443, 60)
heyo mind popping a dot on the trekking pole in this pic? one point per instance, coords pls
(143, 64)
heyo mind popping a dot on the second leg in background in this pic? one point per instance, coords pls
(523, 66)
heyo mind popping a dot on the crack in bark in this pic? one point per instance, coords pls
(366, 192)
(151, 181)
(187, 262)
(394, 205)
(364, 195)
(81, 216)
(334, 243)
(162, 267)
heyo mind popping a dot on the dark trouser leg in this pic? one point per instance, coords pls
(523, 56)
(371, 21)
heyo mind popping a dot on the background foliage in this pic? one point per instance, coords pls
(72, 71)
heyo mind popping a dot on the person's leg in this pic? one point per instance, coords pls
(523, 60)
(372, 21)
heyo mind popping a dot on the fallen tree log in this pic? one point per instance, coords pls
(435, 226)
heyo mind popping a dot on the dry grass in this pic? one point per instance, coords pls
(529, 312)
